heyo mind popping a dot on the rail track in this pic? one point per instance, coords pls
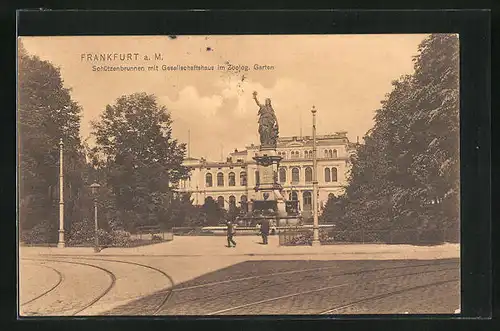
(97, 298)
(60, 280)
(352, 273)
(163, 302)
(386, 295)
(171, 289)
(340, 286)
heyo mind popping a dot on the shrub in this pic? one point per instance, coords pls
(81, 233)
(156, 237)
(120, 238)
(43, 233)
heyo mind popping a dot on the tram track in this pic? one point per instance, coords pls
(281, 283)
(60, 280)
(386, 295)
(164, 301)
(111, 275)
(255, 303)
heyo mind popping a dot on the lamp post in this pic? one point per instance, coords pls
(60, 243)
(95, 189)
(315, 241)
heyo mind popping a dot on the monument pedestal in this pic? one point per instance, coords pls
(268, 188)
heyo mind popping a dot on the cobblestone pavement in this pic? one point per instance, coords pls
(208, 278)
(313, 287)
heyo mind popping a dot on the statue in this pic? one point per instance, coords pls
(268, 123)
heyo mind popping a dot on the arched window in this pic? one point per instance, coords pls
(232, 179)
(334, 174)
(243, 178)
(257, 177)
(330, 153)
(309, 174)
(293, 196)
(307, 196)
(220, 201)
(335, 153)
(209, 198)
(295, 175)
(232, 201)
(327, 175)
(331, 196)
(292, 154)
(208, 180)
(220, 179)
(282, 175)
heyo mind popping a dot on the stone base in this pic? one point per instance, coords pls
(61, 245)
(315, 243)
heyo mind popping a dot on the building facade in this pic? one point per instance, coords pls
(233, 181)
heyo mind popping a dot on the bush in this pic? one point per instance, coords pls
(81, 233)
(120, 238)
(156, 237)
(305, 238)
(43, 233)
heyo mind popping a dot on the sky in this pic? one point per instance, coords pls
(344, 76)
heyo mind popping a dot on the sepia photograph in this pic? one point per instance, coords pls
(229, 175)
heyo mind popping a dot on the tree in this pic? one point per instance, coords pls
(142, 162)
(213, 213)
(46, 113)
(406, 175)
(182, 212)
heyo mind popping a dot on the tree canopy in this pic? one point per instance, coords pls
(141, 160)
(46, 113)
(406, 174)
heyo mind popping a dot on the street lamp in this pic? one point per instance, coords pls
(315, 241)
(61, 243)
(95, 189)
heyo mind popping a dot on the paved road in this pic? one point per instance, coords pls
(312, 287)
(199, 276)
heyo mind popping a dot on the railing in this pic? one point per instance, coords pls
(152, 230)
(303, 236)
(241, 230)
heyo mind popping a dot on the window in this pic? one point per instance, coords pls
(326, 153)
(334, 174)
(208, 180)
(220, 179)
(335, 153)
(243, 178)
(282, 175)
(232, 179)
(331, 196)
(293, 196)
(220, 201)
(330, 153)
(257, 177)
(295, 175)
(327, 175)
(307, 196)
(232, 201)
(309, 174)
(293, 154)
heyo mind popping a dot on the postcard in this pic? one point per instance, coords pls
(216, 175)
